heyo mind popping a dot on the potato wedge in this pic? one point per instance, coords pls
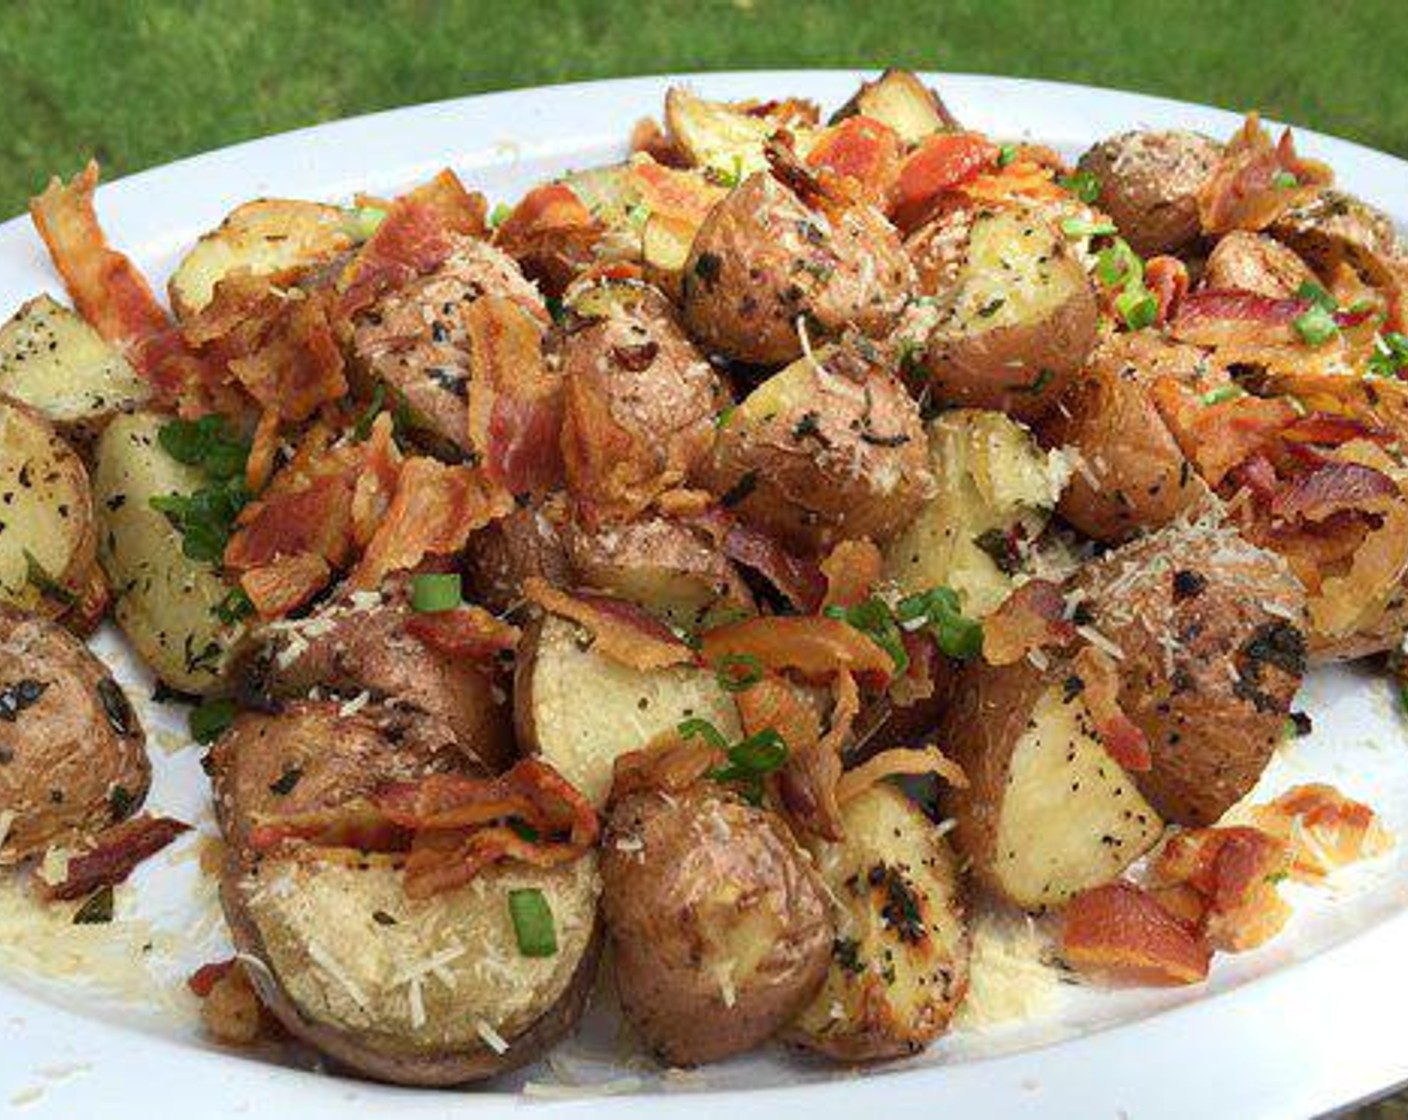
(164, 602)
(48, 531)
(1015, 323)
(53, 361)
(899, 964)
(991, 478)
(417, 992)
(581, 738)
(725, 138)
(1047, 813)
(266, 236)
(899, 99)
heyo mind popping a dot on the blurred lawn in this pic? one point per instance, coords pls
(142, 82)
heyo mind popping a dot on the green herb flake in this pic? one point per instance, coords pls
(1080, 227)
(1006, 155)
(1284, 180)
(435, 592)
(1224, 393)
(284, 784)
(1083, 184)
(209, 720)
(500, 214)
(532, 922)
(234, 607)
(1390, 356)
(96, 910)
(360, 222)
(121, 803)
(874, 619)
(1316, 326)
(1315, 295)
(698, 728)
(1137, 306)
(938, 611)
(38, 577)
(751, 760)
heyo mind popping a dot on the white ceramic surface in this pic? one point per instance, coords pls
(1311, 1022)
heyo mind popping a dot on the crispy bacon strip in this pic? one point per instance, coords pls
(286, 583)
(376, 482)
(203, 979)
(468, 631)
(1345, 602)
(774, 703)
(1218, 437)
(1120, 935)
(684, 197)
(816, 648)
(864, 150)
(115, 855)
(1167, 278)
(1243, 193)
(263, 449)
(1032, 617)
(940, 163)
(1324, 829)
(1120, 735)
(895, 762)
(433, 512)
(1235, 870)
(807, 784)
(1333, 488)
(798, 579)
(851, 570)
(296, 367)
(444, 861)
(669, 763)
(623, 632)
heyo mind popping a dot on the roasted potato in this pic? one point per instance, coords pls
(1210, 633)
(53, 361)
(309, 756)
(718, 925)
(829, 449)
(526, 543)
(640, 400)
(624, 708)
(48, 528)
(1008, 317)
(72, 753)
(165, 602)
(899, 99)
(414, 340)
(1254, 262)
(727, 140)
(1129, 474)
(263, 237)
(417, 992)
(360, 643)
(1149, 184)
(994, 494)
(1047, 812)
(766, 268)
(1335, 230)
(899, 963)
(676, 572)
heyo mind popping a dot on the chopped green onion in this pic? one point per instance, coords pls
(432, 592)
(360, 222)
(638, 214)
(1083, 184)
(1224, 393)
(38, 577)
(363, 427)
(1006, 154)
(873, 619)
(1137, 306)
(500, 214)
(1390, 356)
(1316, 326)
(236, 605)
(697, 728)
(209, 721)
(738, 672)
(939, 611)
(532, 922)
(1284, 180)
(1119, 264)
(1080, 227)
(1316, 296)
(750, 761)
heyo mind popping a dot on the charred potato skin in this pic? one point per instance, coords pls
(763, 263)
(831, 448)
(1133, 477)
(992, 333)
(692, 877)
(70, 742)
(899, 964)
(1214, 705)
(1149, 184)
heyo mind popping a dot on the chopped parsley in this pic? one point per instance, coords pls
(1083, 184)
(205, 517)
(209, 720)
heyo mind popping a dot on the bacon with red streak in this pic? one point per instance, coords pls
(115, 855)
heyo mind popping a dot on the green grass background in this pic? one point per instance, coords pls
(145, 81)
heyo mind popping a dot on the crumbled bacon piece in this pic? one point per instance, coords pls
(684, 197)
(851, 570)
(1235, 870)
(1325, 829)
(1167, 278)
(1120, 735)
(1030, 618)
(467, 631)
(1119, 934)
(1243, 191)
(797, 578)
(622, 631)
(115, 854)
(898, 761)
(816, 648)
(864, 150)
(551, 235)
(941, 162)
(808, 783)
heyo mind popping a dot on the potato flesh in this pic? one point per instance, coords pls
(53, 361)
(46, 510)
(1070, 817)
(887, 994)
(899, 99)
(991, 476)
(441, 973)
(714, 135)
(164, 602)
(1013, 275)
(588, 710)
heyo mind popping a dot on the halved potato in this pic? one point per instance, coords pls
(165, 602)
(899, 99)
(725, 138)
(417, 992)
(53, 361)
(1047, 812)
(266, 236)
(899, 964)
(580, 710)
(994, 486)
(1010, 323)
(1254, 262)
(48, 532)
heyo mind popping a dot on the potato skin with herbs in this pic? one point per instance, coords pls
(1211, 632)
(899, 963)
(718, 925)
(832, 448)
(1149, 184)
(1008, 318)
(764, 263)
(72, 752)
(165, 602)
(1047, 812)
